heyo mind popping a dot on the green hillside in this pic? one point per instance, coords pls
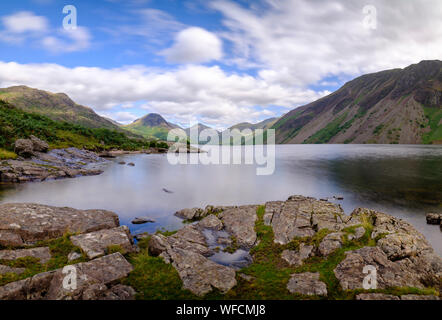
(16, 124)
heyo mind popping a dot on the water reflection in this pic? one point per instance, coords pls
(405, 181)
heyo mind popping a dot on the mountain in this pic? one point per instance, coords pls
(394, 106)
(151, 125)
(266, 124)
(202, 127)
(56, 106)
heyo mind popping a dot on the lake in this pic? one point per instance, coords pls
(402, 180)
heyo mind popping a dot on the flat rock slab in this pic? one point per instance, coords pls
(101, 272)
(142, 220)
(307, 283)
(199, 274)
(330, 243)
(418, 297)
(240, 223)
(96, 244)
(27, 223)
(43, 254)
(301, 216)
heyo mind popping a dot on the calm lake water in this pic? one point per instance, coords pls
(405, 181)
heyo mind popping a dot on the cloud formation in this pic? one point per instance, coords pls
(194, 45)
(25, 27)
(184, 93)
(300, 42)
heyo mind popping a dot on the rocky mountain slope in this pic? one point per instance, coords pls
(394, 106)
(151, 125)
(266, 124)
(57, 106)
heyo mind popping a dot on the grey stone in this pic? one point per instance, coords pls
(142, 220)
(74, 256)
(42, 253)
(7, 269)
(92, 277)
(24, 148)
(95, 244)
(26, 223)
(240, 223)
(296, 258)
(211, 222)
(330, 243)
(307, 284)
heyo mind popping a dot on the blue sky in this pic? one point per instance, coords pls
(218, 62)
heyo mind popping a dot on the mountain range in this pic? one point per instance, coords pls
(394, 106)
(388, 107)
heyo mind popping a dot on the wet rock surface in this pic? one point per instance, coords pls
(37, 164)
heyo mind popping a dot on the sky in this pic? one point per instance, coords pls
(217, 62)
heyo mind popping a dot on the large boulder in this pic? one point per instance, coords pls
(330, 243)
(24, 148)
(39, 145)
(27, 223)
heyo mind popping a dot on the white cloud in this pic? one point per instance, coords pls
(33, 31)
(24, 21)
(300, 42)
(68, 40)
(208, 93)
(194, 45)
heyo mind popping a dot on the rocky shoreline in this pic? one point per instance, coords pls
(37, 163)
(311, 249)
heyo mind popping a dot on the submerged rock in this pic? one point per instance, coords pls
(142, 220)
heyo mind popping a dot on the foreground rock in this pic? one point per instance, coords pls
(307, 284)
(94, 281)
(37, 164)
(187, 251)
(23, 224)
(97, 243)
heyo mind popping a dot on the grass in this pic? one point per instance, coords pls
(434, 117)
(6, 155)
(16, 124)
(329, 131)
